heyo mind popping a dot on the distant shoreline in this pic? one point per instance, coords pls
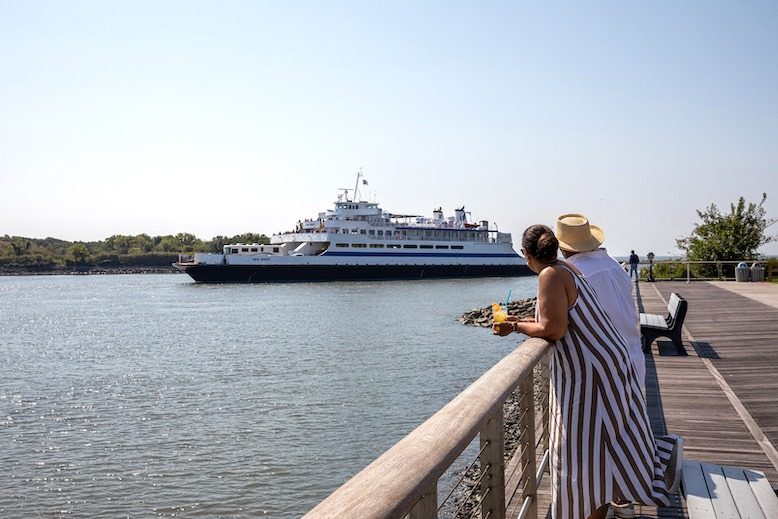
(65, 271)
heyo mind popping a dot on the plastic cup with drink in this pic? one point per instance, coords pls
(499, 313)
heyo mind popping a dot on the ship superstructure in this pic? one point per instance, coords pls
(358, 240)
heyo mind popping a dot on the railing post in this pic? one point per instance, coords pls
(427, 505)
(545, 388)
(687, 272)
(527, 444)
(492, 438)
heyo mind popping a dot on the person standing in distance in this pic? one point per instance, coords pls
(634, 259)
(580, 243)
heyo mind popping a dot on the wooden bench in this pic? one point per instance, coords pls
(715, 491)
(653, 326)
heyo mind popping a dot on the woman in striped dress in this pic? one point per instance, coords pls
(601, 445)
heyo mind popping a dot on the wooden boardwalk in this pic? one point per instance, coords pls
(722, 395)
(733, 418)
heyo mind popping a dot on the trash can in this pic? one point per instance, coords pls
(741, 271)
(757, 272)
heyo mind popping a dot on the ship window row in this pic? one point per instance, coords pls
(419, 234)
(238, 250)
(397, 246)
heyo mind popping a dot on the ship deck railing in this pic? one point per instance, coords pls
(458, 238)
(186, 259)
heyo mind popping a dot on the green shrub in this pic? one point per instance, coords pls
(772, 263)
(665, 271)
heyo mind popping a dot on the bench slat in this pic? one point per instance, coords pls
(742, 494)
(653, 320)
(696, 491)
(723, 503)
(727, 492)
(763, 493)
(672, 306)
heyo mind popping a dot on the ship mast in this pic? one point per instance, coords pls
(356, 186)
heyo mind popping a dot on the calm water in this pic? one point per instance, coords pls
(150, 396)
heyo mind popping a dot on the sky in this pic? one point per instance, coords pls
(219, 118)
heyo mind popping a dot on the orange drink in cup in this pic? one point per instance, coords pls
(499, 314)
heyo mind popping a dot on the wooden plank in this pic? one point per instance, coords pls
(739, 487)
(427, 505)
(492, 441)
(528, 453)
(723, 502)
(763, 493)
(696, 493)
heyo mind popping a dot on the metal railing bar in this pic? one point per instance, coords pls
(524, 507)
(542, 469)
(464, 474)
(522, 415)
(472, 490)
(477, 508)
(516, 468)
(524, 485)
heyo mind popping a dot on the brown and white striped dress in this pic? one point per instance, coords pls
(601, 444)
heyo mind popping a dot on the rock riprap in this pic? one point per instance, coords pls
(521, 308)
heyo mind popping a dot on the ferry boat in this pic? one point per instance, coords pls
(358, 240)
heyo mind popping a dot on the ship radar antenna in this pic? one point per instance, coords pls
(344, 194)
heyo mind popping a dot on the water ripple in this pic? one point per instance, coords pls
(150, 396)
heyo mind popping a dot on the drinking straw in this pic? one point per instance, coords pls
(509, 298)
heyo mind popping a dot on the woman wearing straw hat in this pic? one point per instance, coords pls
(580, 243)
(601, 445)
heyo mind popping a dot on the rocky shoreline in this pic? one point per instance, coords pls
(65, 271)
(521, 308)
(467, 497)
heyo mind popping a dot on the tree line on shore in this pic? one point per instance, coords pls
(117, 251)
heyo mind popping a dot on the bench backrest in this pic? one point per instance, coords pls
(676, 309)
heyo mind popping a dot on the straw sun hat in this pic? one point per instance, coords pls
(576, 234)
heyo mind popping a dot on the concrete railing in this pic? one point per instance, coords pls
(404, 480)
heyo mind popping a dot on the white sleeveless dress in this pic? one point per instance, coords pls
(601, 444)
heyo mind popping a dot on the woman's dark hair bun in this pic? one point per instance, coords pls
(539, 242)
